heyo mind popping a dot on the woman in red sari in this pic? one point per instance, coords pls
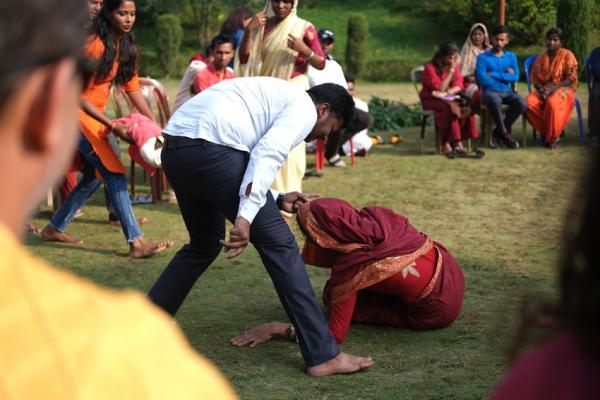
(442, 81)
(554, 76)
(383, 271)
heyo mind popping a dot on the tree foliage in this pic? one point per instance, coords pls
(170, 34)
(356, 47)
(574, 18)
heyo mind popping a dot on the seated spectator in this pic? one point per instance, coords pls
(594, 99)
(383, 271)
(477, 42)
(62, 337)
(361, 142)
(235, 25)
(554, 77)
(217, 69)
(332, 72)
(197, 63)
(143, 135)
(442, 82)
(496, 70)
(567, 364)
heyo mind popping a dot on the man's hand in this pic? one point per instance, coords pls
(510, 70)
(120, 130)
(293, 200)
(239, 236)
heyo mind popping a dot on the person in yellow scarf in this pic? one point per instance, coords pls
(279, 44)
(477, 42)
(554, 76)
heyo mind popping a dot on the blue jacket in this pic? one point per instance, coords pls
(499, 80)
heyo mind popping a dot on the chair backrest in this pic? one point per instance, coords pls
(588, 71)
(154, 93)
(415, 76)
(528, 64)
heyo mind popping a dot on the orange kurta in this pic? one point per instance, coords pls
(550, 116)
(98, 94)
(64, 338)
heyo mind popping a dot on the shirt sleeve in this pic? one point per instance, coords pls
(340, 317)
(458, 79)
(199, 82)
(290, 128)
(505, 76)
(133, 84)
(430, 79)
(481, 72)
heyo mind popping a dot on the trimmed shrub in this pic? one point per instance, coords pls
(574, 18)
(390, 115)
(388, 70)
(356, 47)
(170, 34)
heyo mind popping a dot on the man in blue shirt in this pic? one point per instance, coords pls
(594, 99)
(496, 70)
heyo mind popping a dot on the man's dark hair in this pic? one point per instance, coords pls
(337, 97)
(500, 29)
(220, 39)
(349, 78)
(35, 33)
(555, 31)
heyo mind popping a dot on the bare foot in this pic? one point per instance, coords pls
(140, 221)
(52, 235)
(32, 229)
(260, 334)
(342, 364)
(142, 247)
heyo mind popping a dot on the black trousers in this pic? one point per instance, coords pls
(360, 120)
(206, 178)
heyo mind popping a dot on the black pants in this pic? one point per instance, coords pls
(494, 100)
(360, 120)
(594, 109)
(206, 178)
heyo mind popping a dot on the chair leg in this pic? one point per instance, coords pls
(580, 121)
(423, 124)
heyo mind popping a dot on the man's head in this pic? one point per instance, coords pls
(222, 51)
(94, 7)
(38, 96)
(326, 38)
(334, 109)
(500, 38)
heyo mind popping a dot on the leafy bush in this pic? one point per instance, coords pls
(170, 34)
(574, 18)
(388, 70)
(390, 115)
(527, 20)
(356, 47)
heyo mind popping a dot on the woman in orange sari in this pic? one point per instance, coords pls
(554, 76)
(112, 45)
(383, 271)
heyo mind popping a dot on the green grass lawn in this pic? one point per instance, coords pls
(501, 217)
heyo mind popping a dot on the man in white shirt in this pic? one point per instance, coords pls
(222, 151)
(332, 73)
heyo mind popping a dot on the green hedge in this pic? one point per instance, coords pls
(391, 115)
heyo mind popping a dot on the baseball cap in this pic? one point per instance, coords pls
(325, 35)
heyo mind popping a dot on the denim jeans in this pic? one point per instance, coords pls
(116, 187)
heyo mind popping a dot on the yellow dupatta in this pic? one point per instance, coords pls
(563, 67)
(270, 55)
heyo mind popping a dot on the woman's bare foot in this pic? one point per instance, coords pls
(52, 235)
(142, 247)
(342, 364)
(140, 221)
(31, 229)
(260, 334)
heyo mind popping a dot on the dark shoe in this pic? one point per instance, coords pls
(451, 155)
(510, 142)
(460, 153)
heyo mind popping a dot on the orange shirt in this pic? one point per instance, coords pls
(98, 94)
(210, 76)
(64, 338)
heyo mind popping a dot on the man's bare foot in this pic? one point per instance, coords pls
(142, 247)
(52, 235)
(140, 221)
(342, 364)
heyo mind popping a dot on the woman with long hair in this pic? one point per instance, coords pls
(442, 81)
(236, 23)
(477, 42)
(383, 271)
(112, 45)
(554, 77)
(279, 44)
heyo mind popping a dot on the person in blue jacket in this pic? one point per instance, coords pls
(496, 70)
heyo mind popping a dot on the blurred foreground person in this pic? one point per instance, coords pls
(62, 337)
(383, 271)
(567, 365)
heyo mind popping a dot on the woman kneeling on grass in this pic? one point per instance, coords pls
(383, 272)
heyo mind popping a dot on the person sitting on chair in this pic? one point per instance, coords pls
(554, 76)
(497, 69)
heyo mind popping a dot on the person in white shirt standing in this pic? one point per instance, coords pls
(222, 151)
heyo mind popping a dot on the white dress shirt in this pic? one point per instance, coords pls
(266, 117)
(332, 73)
(184, 92)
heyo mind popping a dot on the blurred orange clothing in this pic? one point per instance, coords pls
(64, 338)
(550, 116)
(98, 94)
